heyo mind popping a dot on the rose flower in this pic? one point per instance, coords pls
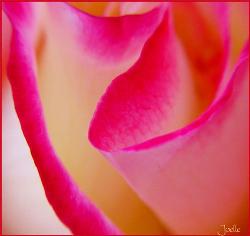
(158, 89)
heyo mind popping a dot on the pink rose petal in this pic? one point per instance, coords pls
(108, 39)
(28, 62)
(71, 206)
(145, 101)
(71, 79)
(196, 178)
(176, 188)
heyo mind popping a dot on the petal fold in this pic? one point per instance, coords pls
(154, 96)
(197, 177)
(176, 172)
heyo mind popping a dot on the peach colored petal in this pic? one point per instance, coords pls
(120, 51)
(25, 209)
(6, 34)
(104, 38)
(239, 27)
(137, 7)
(71, 206)
(83, 73)
(114, 8)
(203, 29)
(171, 173)
(36, 43)
(196, 178)
(94, 8)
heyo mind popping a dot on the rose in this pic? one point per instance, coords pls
(158, 162)
(93, 165)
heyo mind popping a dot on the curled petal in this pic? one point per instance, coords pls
(87, 66)
(151, 98)
(182, 175)
(197, 177)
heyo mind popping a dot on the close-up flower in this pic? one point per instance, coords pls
(125, 118)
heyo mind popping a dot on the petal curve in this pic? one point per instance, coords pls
(151, 98)
(185, 176)
(71, 93)
(71, 206)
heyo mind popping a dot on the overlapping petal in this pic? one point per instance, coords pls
(196, 177)
(183, 175)
(139, 119)
(29, 62)
(71, 80)
(73, 208)
(115, 8)
(205, 36)
(151, 98)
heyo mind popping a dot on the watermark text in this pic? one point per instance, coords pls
(224, 230)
